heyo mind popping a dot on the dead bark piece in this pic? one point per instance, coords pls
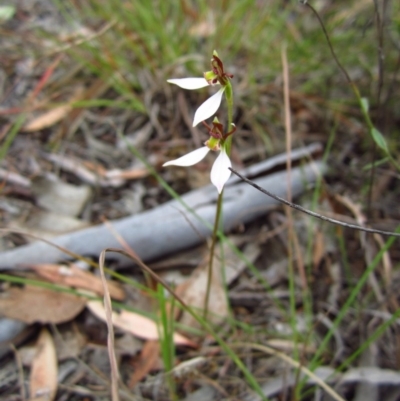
(171, 227)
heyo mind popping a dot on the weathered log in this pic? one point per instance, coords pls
(172, 227)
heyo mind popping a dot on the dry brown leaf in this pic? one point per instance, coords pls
(48, 119)
(136, 324)
(53, 116)
(69, 343)
(73, 276)
(43, 380)
(36, 304)
(193, 290)
(193, 293)
(132, 174)
(149, 360)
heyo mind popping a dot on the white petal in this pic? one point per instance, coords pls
(189, 83)
(208, 108)
(220, 172)
(190, 159)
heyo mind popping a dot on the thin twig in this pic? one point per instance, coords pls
(328, 39)
(309, 212)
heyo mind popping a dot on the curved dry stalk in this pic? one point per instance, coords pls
(110, 329)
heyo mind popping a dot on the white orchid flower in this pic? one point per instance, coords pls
(220, 172)
(210, 106)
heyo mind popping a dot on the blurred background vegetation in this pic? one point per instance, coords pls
(137, 45)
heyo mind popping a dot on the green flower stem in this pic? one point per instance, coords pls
(212, 252)
(229, 100)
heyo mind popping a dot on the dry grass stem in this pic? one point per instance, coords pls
(110, 328)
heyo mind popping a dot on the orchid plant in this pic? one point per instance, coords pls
(216, 76)
(218, 141)
(220, 172)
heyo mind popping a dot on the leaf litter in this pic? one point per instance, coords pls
(43, 379)
(55, 145)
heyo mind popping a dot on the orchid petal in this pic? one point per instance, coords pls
(189, 83)
(189, 159)
(220, 172)
(208, 108)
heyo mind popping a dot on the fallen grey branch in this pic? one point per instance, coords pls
(9, 329)
(171, 227)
